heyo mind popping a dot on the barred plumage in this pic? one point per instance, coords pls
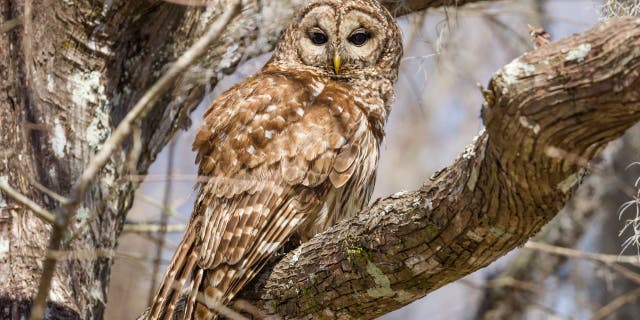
(290, 150)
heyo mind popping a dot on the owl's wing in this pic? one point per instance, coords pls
(274, 145)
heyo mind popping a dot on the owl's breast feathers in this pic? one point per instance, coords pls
(294, 119)
(283, 154)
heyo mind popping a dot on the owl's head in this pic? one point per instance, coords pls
(343, 38)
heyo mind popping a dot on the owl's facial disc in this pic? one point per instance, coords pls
(346, 38)
(317, 36)
(362, 40)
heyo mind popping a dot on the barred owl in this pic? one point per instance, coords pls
(288, 151)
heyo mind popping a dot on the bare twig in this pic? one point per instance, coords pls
(518, 284)
(175, 177)
(123, 130)
(149, 228)
(196, 3)
(164, 214)
(172, 211)
(220, 308)
(616, 8)
(616, 304)
(540, 36)
(136, 150)
(26, 44)
(246, 307)
(39, 211)
(9, 25)
(482, 287)
(52, 194)
(558, 153)
(625, 272)
(605, 258)
(507, 31)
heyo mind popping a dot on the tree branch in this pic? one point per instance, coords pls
(39, 211)
(576, 95)
(398, 8)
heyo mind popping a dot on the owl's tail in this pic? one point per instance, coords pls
(214, 293)
(182, 270)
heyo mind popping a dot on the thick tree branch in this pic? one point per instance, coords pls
(577, 95)
(402, 7)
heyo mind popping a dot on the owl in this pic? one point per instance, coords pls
(287, 152)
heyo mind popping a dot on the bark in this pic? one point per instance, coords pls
(571, 97)
(599, 197)
(596, 201)
(68, 76)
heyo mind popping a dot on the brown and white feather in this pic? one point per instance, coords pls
(289, 151)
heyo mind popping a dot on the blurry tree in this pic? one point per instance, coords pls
(91, 91)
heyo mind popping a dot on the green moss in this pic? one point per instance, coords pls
(309, 293)
(308, 296)
(358, 255)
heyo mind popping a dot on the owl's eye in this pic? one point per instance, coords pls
(359, 37)
(318, 37)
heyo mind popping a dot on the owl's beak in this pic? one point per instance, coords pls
(337, 62)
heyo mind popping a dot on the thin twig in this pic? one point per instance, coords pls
(508, 32)
(52, 194)
(123, 130)
(415, 33)
(39, 211)
(172, 211)
(605, 258)
(192, 177)
(149, 228)
(577, 160)
(164, 215)
(220, 308)
(625, 272)
(490, 284)
(9, 25)
(246, 307)
(162, 177)
(195, 3)
(26, 45)
(616, 304)
(136, 150)
(517, 284)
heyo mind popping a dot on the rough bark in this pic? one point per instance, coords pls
(575, 95)
(601, 194)
(596, 201)
(68, 76)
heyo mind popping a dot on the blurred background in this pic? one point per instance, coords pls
(449, 53)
